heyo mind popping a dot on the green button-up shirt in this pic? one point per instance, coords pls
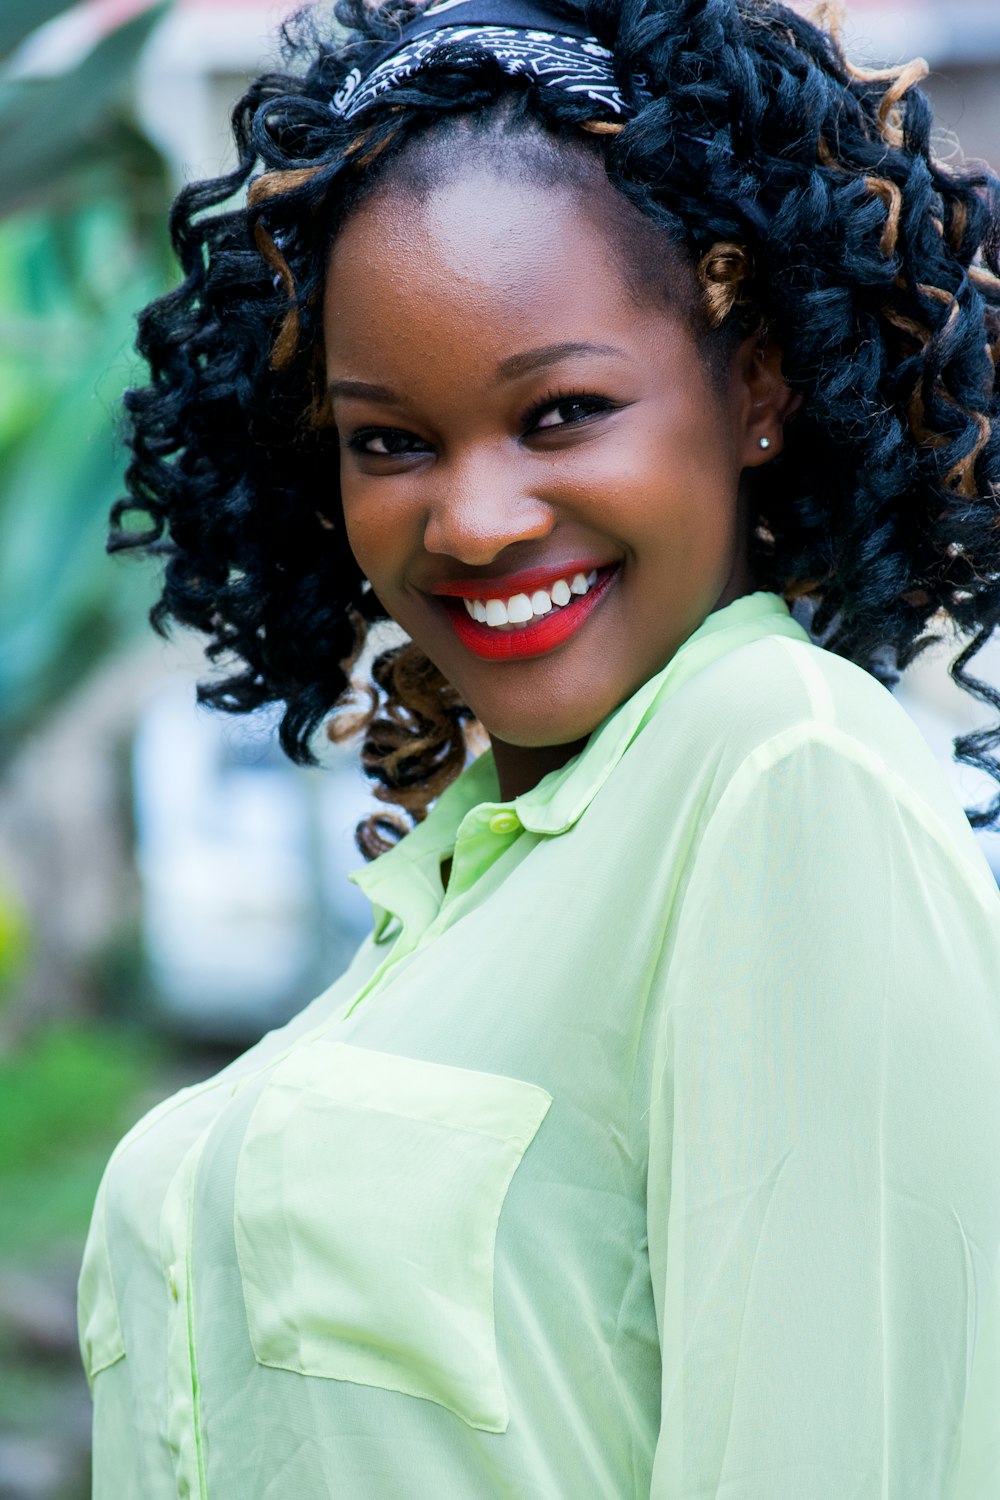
(657, 1156)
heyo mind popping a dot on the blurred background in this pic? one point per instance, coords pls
(170, 887)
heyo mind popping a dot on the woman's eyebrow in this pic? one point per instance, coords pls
(508, 369)
(548, 354)
(360, 389)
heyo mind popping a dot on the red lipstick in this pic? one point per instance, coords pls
(533, 639)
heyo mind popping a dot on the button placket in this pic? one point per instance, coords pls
(477, 846)
(183, 1418)
(481, 838)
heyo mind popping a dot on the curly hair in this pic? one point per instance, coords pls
(816, 211)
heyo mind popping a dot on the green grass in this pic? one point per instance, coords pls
(65, 1099)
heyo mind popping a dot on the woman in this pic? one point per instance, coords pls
(649, 1145)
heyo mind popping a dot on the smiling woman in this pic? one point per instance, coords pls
(467, 475)
(648, 1147)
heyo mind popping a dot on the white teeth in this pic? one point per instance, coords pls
(519, 609)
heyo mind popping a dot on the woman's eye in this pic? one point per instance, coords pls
(567, 411)
(385, 442)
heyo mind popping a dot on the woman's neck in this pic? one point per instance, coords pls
(521, 767)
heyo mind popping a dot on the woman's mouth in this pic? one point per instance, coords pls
(528, 624)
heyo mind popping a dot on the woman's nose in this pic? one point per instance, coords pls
(480, 506)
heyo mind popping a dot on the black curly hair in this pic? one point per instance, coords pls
(815, 210)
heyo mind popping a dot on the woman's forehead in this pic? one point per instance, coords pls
(477, 223)
(493, 228)
(454, 285)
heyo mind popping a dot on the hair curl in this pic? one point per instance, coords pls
(816, 211)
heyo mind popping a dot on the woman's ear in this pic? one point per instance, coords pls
(766, 400)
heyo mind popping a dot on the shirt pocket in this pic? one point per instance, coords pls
(368, 1192)
(99, 1325)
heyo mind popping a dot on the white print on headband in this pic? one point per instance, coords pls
(578, 65)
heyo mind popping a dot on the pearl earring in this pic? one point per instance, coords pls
(764, 442)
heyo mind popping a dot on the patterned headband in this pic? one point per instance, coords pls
(521, 36)
(517, 33)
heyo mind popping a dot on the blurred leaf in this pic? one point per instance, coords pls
(63, 603)
(60, 596)
(19, 18)
(83, 243)
(15, 940)
(50, 126)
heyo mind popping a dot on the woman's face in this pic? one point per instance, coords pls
(511, 413)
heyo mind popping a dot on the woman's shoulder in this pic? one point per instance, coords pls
(781, 681)
(782, 696)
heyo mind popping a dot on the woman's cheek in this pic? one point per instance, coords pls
(365, 523)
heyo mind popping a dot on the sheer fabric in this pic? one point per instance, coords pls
(658, 1157)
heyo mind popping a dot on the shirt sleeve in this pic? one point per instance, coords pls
(824, 1188)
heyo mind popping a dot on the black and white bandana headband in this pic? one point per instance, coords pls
(523, 38)
(520, 35)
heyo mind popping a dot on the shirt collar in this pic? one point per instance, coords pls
(405, 879)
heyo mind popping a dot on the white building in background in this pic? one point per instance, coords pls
(247, 909)
(960, 39)
(195, 69)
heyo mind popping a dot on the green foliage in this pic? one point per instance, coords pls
(66, 318)
(61, 138)
(19, 18)
(15, 942)
(67, 1095)
(82, 245)
(67, 1086)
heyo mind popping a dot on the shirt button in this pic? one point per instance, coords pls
(504, 822)
(172, 1282)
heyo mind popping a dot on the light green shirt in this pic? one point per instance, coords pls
(659, 1157)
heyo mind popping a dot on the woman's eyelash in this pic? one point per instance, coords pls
(394, 439)
(558, 398)
(398, 441)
